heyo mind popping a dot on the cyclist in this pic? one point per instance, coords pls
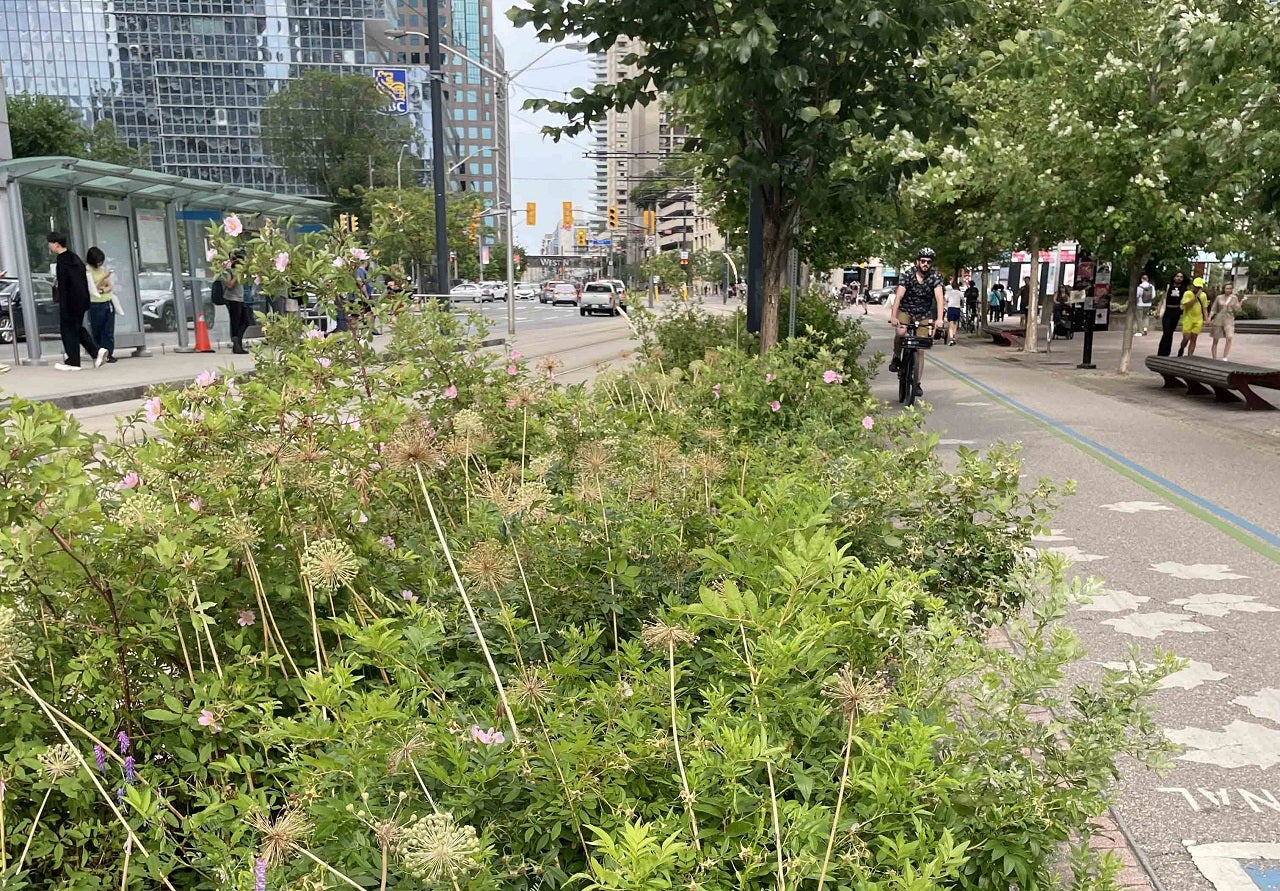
(918, 297)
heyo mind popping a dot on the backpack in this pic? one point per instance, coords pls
(215, 293)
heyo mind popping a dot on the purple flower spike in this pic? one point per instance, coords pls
(259, 874)
(123, 739)
(120, 795)
(130, 775)
(100, 756)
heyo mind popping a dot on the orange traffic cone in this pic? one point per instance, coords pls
(202, 335)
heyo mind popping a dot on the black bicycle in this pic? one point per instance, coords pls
(909, 365)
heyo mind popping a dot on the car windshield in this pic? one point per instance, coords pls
(600, 289)
(155, 281)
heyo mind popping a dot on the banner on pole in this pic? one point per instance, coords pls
(394, 84)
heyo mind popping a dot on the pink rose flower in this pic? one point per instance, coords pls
(232, 225)
(206, 378)
(868, 423)
(131, 480)
(775, 405)
(337, 262)
(516, 355)
(360, 253)
(195, 504)
(324, 362)
(832, 377)
(512, 370)
(210, 254)
(153, 409)
(770, 378)
(207, 719)
(282, 261)
(451, 393)
(247, 617)
(314, 334)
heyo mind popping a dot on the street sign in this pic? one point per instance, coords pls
(394, 84)
(484, 255)
(602, 242)
(684, 255)
(651, 241)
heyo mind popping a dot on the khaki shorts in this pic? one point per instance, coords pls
(1223, 326)
(923, 329)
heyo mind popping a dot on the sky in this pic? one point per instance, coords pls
(544, 171)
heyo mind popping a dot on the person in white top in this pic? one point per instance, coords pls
(955, 307)
(1146, 297)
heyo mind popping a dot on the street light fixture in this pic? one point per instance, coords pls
(504, 79)
(399, 159)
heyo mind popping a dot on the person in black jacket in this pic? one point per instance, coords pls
(73, 303)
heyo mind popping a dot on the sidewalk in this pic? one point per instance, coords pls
(1163, 482)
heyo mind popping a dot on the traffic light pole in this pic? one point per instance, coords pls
(435, 63)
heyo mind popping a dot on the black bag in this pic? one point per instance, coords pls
(215, 293)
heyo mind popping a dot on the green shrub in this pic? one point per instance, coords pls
(1250, 311)
(387, 619)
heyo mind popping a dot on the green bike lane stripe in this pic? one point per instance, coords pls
(1249, 534)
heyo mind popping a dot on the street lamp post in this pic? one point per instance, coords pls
(399, 159)
(501, 80)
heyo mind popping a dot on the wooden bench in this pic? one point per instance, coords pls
(1222, 380)
(1003, 335)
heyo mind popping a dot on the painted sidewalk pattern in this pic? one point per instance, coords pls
(1180, 574)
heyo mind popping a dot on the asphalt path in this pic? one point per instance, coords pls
(1177, 511)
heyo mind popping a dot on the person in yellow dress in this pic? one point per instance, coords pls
(1195, 312)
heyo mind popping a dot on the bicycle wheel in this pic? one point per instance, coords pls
(904, 374)
(909, 378)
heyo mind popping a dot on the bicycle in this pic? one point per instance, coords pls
(969, 323)
(909, 363)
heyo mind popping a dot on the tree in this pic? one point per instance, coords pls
(773, 90)
(324, 127)
(41, 126)
(403, 225)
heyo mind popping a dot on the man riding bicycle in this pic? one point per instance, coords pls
(918, 299)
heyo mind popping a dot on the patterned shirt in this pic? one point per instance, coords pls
(919, 299)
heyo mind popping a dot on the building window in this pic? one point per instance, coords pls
(457, 114)
(472, 114)
(471, 133)
(485, 132)
(488, 170)
(488, 185)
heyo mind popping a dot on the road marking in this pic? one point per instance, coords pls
(1252, 536)
(1238, 866)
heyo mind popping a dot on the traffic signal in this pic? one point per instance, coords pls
(344, 222)
(582, 238)
(684, 258)
(612, 216)
(531, 214)
(566, 214)
(650, 222)
(475, 226)
(355, 222)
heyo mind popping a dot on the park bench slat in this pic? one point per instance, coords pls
(1203, 377)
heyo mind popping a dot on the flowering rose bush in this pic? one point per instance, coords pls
(379, 619)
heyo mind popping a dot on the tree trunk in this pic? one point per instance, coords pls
(776, 245)
(1032, 316)
(1136, 264)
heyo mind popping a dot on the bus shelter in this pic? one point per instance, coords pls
(134, 216)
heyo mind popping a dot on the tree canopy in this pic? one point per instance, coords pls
(46, 125)
(324, 128)
(774, 91)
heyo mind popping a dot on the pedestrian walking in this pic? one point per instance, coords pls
(1024, 297)
(1146, 297)
(954, 298)
(233, 294)
(103, 303)
(1195, 312)
(1222, 318)
(1170, 312)
(72, 280)
(971, 299)
(995, 304)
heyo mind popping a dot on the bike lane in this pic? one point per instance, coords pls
(1178, 517)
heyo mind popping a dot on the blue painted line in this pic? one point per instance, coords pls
(1265, 877)
(1170, 486)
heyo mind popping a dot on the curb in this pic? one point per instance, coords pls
(134, 392)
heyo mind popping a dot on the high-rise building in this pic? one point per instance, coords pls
(478, 118)
(631, 146)
(189, 78)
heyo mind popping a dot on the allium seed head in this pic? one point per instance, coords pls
(489, 564)
(436, 847)
(661, 636)
(281, 836)
(59, 761)
(329, 563)
(853, 693)
(15, 647)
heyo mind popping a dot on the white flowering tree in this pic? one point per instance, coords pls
(1097, 127)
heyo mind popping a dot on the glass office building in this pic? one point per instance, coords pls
(189, 78)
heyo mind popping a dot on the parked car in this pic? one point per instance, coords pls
(563, 292)
(599, 296)
(880, 295)
(155, 289)
(11, 318)
(470, 291)
(526, 290)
